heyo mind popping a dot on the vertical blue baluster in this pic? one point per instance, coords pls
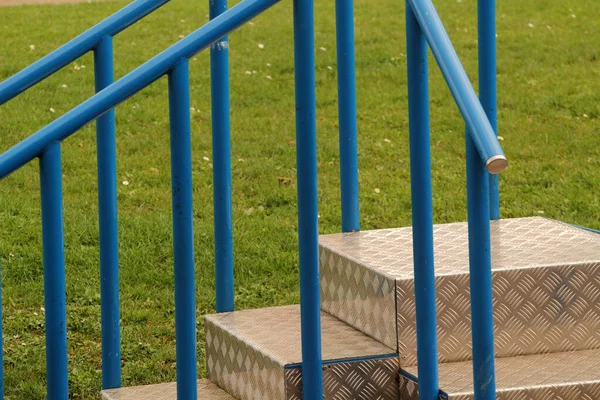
(107, 207)
(1, 338)
(422, 209)
(344, 11)
(482, 321)
(54, 273)
(183, 231)
(219, 75)
(486, 20)
(306, 162)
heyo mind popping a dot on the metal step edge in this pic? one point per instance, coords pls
(255, 354)
(548, 307)
(207, 390)
(556, 376)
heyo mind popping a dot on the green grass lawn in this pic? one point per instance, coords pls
(549, 118)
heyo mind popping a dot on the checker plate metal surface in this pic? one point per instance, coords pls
(365, 380)
(165, 391)
(247, 351)
(358, 295)
(558, 376)
(546, 285)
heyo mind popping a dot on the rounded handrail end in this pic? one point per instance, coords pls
(496, 164)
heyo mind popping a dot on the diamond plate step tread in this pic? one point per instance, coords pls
(546, 277)
(557, 376)
(256, 354)
(165, 391)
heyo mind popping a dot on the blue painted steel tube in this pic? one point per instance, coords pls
(481, 131)
(75, 48)
(306, 166)
(219, 75)
(1, 339)
(107, 207)
(130, 84)
(422, 209)
(183, 231)
(486, 21)
(54, 274)
(480, 263)
(344, 12)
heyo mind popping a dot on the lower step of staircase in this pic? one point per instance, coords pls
(558, 376)
(257, 354)
(165, 391)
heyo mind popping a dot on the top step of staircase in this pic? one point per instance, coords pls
(516, 243)
(546, 283)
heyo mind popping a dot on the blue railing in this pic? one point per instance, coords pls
(99, 40)
(173, 62)
(484, 157)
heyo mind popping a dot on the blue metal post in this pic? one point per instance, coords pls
(183, 230)
(486, 20)
(1, 344)
(344, 11)
(219, 75)
(422, 209)
(482, 321)
(107, 207)
(54, 273)
(308, 231)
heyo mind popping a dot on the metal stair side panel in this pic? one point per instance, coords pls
(362, 297)
(240, 368)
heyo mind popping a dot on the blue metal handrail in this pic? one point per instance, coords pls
(173, 62)
(76, 48)
(99, 40)
(67, 124)
(484, 157)
(480, 129)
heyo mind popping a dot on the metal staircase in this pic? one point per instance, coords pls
(546, 285)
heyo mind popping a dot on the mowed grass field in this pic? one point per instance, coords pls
(549, 119)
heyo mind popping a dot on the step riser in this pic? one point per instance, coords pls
(577, 391)
(540, 310)
(367, 379)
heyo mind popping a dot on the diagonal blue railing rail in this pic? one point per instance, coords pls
(99, 40)
(485, 159)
